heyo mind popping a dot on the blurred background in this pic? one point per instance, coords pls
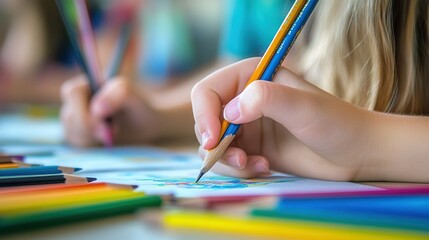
(172, 42)
(172, 39)
(36, 56)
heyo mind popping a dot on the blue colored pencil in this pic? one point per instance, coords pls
(12, 181)
(270, 70)
(281, 53)
(37, 170)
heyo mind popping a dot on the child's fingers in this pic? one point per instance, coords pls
(70, 87)
(209, 95)
(233, 157)
(290, 107)
(235, 162)
(110, 98)
(74, 113)
(311, 117)
(256, 166)
(206, 106)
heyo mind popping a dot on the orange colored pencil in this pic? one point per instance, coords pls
(9, 165)
(55, 194)
(25, 190)
(272, 48)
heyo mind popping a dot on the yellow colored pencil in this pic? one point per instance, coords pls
(35, 196)
(42, 204)
(288, 229)
(9, 165)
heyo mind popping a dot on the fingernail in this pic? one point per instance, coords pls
(261, 167)
(232, 110)
(205, 137)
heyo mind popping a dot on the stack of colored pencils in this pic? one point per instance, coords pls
(377, 214)
(14, 172)
(47, 205)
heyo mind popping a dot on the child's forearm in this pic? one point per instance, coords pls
(398, 149)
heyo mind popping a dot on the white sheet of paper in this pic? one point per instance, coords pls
(181, 183)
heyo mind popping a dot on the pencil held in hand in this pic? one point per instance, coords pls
(266, 69)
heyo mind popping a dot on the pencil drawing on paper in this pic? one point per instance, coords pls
(215, 182)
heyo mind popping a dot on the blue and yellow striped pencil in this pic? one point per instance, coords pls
(266, 69)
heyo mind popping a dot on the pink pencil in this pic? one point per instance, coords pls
(90, 51)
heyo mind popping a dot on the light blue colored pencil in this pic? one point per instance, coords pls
(37, 170)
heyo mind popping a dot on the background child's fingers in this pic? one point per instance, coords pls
(111, 98)
(75, 112)
(72, 85)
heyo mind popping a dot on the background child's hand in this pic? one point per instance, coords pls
(83, 118)
(289, 125)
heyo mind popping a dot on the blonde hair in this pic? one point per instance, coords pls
(372, 53)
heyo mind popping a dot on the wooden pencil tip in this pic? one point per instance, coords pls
(200, 176)
(91, 179)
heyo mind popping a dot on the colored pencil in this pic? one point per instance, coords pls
(68, 14)
(271, 60)
(402, 212)
(74, 14)
(9, 165)
(21, 205)
(88, 41)
(37, 170)
(120, 49)
(25, 190)
(285, 229)
(77, 213)
(88, 56)
(11, 181)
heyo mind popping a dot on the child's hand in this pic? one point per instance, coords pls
(289, 125)
(84, 118)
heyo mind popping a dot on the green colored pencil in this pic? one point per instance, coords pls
(76, 214)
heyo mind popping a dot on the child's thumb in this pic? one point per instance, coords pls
(288, 106)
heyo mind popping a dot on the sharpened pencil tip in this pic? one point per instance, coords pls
(200, 176)
(91, 179)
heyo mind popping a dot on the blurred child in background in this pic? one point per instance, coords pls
(180, 42)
